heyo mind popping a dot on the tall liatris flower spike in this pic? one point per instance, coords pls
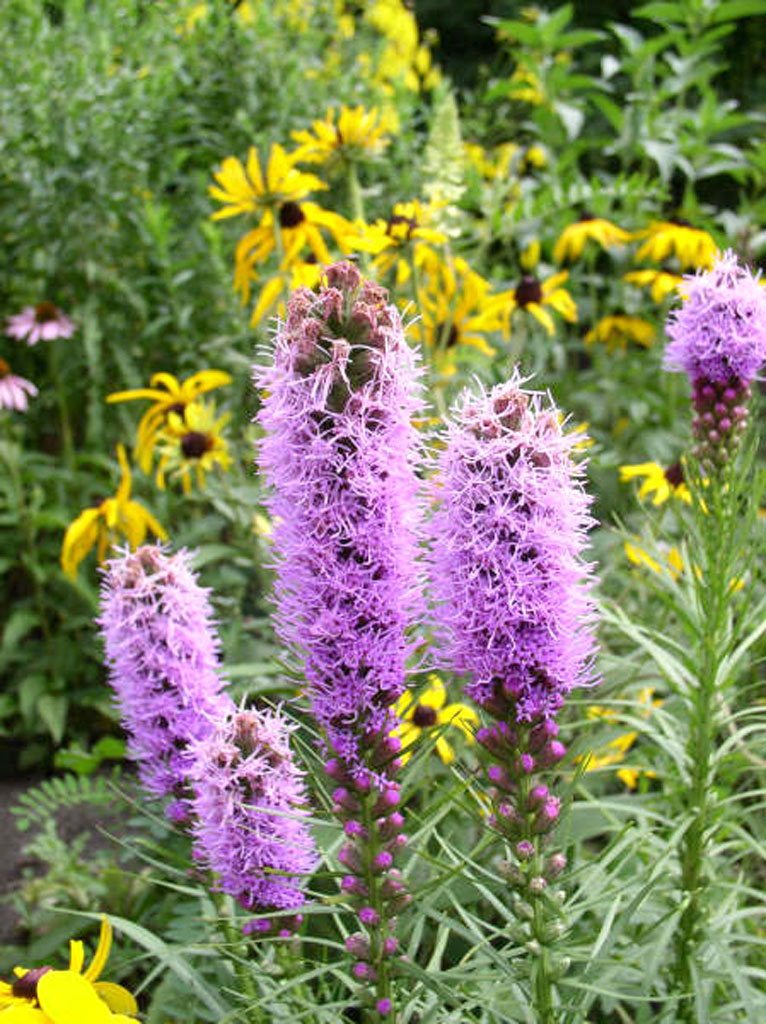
(249, 815)
(513, 599)
(162, 651)
(718, 338)
(339, 453)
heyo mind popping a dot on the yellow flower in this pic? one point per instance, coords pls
(245, 189)
(617, 330)
(287, 232)
(693, 247)
(532, 295)
(192, 442)
(428, 712)
(492, 166)
(662, 483)
(614, 752)
(572, 239)
(403, 237)
(535, 156)
(103, 525)
(174, 398)
(526, 87)
(661, 282)
(456, 311)
(43, 995)
(358, 135)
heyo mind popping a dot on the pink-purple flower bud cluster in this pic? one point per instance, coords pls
(718, 338)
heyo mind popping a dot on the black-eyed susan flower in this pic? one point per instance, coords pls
(108, 522)
(661, 283)
(192, 443)
(356, 135)
(617, 330)
(167, 395)
(456, 311)
(405, 238)
(427, 711)
(288, 231)
(531, 295)
(692, 247)
(663, 484)
(247, 189)
(44, 995)
(572, 239)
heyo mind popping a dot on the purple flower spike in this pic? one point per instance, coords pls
(511, 586)
(250, 811)
(718, 338)
(162, 651)
(340, 453)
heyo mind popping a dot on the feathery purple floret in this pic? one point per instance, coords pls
(339, 454)
(512, 590)
(719, 332)
(162, 650)
(250, 811)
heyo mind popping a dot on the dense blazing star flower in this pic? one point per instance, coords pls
(249, 812)
(43, 322)
(163, 656)
(15, 391)
(339, 454)
(718, 338)
(511, 586)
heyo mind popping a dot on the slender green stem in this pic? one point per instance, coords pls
(378, 932)
(355, 197)
(66, 425)
(237, 943)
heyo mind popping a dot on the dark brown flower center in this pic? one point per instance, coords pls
(290, 215)
(449, 337)
(423, 716)
(25, 987)
(45, 312)
(528, 290)
(398, 218)
(587, 215)
(674, 475)
(179, 408)
(680, 222)
(194, 445)
(5, 370)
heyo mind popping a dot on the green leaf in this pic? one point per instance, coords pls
(52, 709)
(19, 623)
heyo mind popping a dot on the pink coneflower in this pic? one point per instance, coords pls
(43, 322)
(14, 390)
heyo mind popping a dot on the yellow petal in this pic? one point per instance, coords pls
(69, 998)
(76, 955)
(79, 538)
(117, 998)
(102, 950)
(445, 751)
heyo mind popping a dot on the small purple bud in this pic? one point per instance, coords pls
(369, 917)
(382, 861)
(384, 1006)
(525, 850)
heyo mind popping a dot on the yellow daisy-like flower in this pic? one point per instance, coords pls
(531, 295)
(572, 239)
(457, 310)
(693, 247)
(617, 330)
(105, 524)
(661, 282)
(192, 443)
(168, 395)
(535, 156)
(246, 189)
(43, 995)
(614, 752)
(662, 483)
(357, 135)
(405, 236)
(428, 712)
(287, 231)
(492, 166)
